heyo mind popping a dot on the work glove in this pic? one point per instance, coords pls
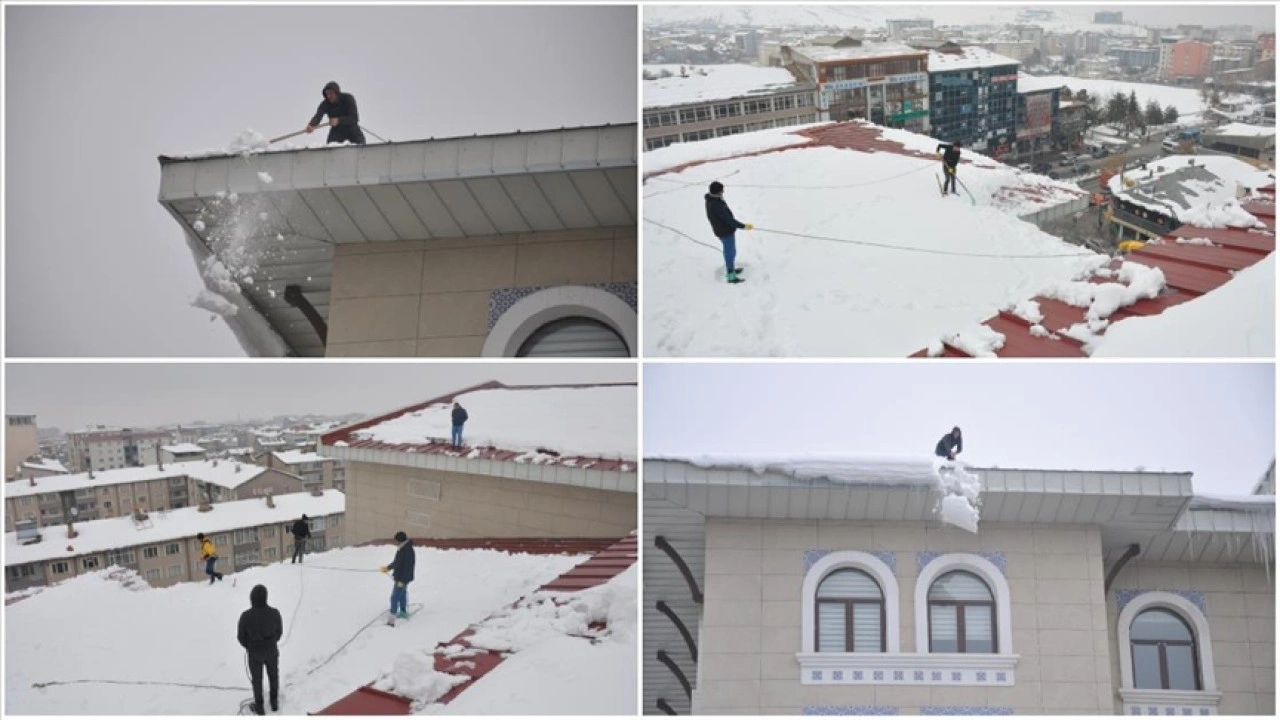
(748, 226)
(399, 584)
(311, 129)
(333, 122)
(383, 569)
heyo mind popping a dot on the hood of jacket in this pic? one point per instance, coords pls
(258, 596)
(331, 85)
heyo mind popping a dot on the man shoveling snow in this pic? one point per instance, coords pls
(950, 445)
(344, 118)
(725, 226)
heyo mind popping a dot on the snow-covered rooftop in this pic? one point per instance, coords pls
(595, 421)
(47, 464)
(183, 448)
(1188, 101)
(1245, 130)
(227, 474)
(821, 53)
(1233, 502)
(1193, 187)
(119, 532)
(705, 83)
(969, 58)
(294, 457)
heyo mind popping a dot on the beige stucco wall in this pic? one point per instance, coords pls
(20, 443)
(430, 298)
(379, 504)
(1240, 607)
(752, 616)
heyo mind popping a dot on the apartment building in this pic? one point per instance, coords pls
(162, 547)
(1189, 59)
(182, 452)
(39, 467)
(699, 102)
(885, 83)
(974, 98)
(166, 486)
(21, 442)
(314, 469)
(110, 448)
(571, 474)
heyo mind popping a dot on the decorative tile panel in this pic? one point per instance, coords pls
(813, 555)
(1126, 595)
(966, 710)
(502, 299)
(850, 710)
(924, 557)
(901, 669)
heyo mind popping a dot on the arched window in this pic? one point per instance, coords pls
(849, 607)
(1164, 652)
(962, 614)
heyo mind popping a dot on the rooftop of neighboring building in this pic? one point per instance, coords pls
(226, 473)
(688, 84)
(46, 464)
(297, 457)
(968, 58)
(182, 448)
(1189, 187)
(867, 51)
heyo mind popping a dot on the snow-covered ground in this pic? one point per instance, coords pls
(94, 628)
(703, 83)
(1236, 320)
(897, 267)
(595, 422)
(1188, 101)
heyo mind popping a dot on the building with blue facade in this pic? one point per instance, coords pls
(973, 98)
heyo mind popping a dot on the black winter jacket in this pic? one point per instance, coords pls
(947, 444)
(722, 221)
(344, 109)
(950, 154)
(301, 530)
(260, 626)
(402, 566)
(459, 415)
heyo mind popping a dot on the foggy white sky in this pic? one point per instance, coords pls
(71, 396)
(95, 266)
(1217, 421)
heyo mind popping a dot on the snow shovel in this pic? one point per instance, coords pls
(285, 137)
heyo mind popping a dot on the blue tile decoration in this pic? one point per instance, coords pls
(1186, 711)
(966, 710)
(897, 675)
(857, 674)
(815, 675)
(1170, 711)
(877, 675)
(887, 557)
(955, 677)
(924, 557)
(1204, 711)
(936, 676)
(814, 555)
(1152, 710)
(850, 710)
(1135, 710)
(982, 676)
(502, 299)
(837, 674)
(918, 676)
(1126, 595)
(1000, 676)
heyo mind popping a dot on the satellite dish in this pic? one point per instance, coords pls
(75, 512)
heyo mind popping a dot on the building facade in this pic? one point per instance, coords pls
(111, 448)
(1190, 59)
(164, 550)
(315, 470)
(823, 597)
(21, 442)
(885, 83)
(1143, 58)
(1036, 123)
(1166, 43)
(974, 99)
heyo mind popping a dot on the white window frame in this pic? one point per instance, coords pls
(855, 560)
(530, 313)
(64, 564)
(1166, 700)
(984, 569)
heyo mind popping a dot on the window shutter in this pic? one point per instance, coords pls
(831, 627)
(866, 627)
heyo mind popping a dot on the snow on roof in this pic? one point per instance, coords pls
(704, 83)
(1202, 501)
(1186, 186)
(272, 443)
(227, 474)
(96, 536)
(47, 464)
(183, 448)
(890, 280)
(673, 156)
(1188, 101)
(593, 421)
(968, 58)
(1235, 320)
(820, 53)
(1245, 130)
(851, 469)
(295, 457)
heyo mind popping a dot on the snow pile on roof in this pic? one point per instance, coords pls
(704, 83)
(1236, 320)
(1188, 101)
(182, 448)
(95, 536)
(1201, 501)
(969, 58)
(563, 666)
(227, 474)
(1244, 130)
(826, 53)
(597, 422)
(323, 608)
(873, 263)
(1137, 282)
(1198, 190)
(961, 494)
(295, 457)
(673, 156)
(47, 464)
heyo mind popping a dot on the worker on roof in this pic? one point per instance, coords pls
(259, 633)
(950, 159)
(459, 418)
(401, 570)
(209, 554)
(950, 445)
(344, 118)
(725, 226)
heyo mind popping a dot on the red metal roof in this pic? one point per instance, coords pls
(596, 570)
(1190, 271)
(348, 434)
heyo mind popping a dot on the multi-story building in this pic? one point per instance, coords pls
(162, 548)
(166, 486)
(1157, 198)
(1141, 57)
(1109, 18)
(777, 590)
(1190, 59)
(314, 469)
(21, 442)
(1037, 115)
(886, 83)
(699, 102)
(182, 452)
(1165, 46)
(572, 474)
(1266, 46)
(900, 29)
(975, 93)
(109, 448)
(39, 467)
(1019, 50)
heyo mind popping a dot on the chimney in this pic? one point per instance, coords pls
(32, 481)
(71, 529)
(90, 472)
(317, 491)
(204, 507)
(215, 462)
(237, 467)
(159, 462)
(270, 503)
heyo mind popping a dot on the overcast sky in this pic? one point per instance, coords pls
(94, 94)
(71, 396)
(1217, 421)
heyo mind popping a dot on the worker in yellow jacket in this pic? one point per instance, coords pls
(209, 554)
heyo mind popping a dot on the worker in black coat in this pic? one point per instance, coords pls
(950, 159)
(259, 634)
(401, 569)
(725, 226)
(301, 531)
(344, 117)
(459, 417)
(950, 445)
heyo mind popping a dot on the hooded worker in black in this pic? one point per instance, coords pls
(301, 531)
(344, 118)
(950, 445)
(950, 159)
(259, 634)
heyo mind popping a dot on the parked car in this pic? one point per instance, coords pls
(1065, 161)
(1100, 151)
(1042, 168)
(1025, 167)
(1170, 144)
(1079, 168)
